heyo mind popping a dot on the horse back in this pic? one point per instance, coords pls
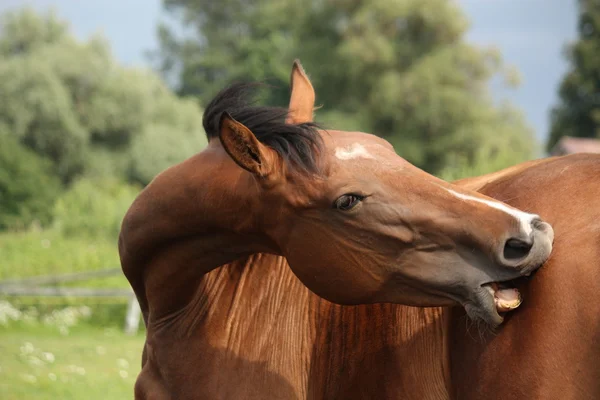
(550, 347)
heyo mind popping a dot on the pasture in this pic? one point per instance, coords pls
(88, 363)
(41, 252)
(64, 348)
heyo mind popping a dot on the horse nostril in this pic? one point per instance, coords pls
(515, 249)
(539, 225)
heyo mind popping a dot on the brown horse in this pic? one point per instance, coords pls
(550, 348)
(356, 223)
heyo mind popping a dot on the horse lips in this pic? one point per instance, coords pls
(505, 298)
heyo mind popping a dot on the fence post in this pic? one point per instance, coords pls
(132, 319)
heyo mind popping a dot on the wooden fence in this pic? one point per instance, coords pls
(45, 286)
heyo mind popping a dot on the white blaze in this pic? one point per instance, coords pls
(357, 150)
(523, 217)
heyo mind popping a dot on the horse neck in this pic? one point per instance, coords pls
(259, 310)
(381, 349)
(192, 218)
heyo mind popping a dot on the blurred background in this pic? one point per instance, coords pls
(97, 97)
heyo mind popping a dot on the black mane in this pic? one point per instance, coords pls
(297, 144)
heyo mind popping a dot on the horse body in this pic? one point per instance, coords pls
(550, 348)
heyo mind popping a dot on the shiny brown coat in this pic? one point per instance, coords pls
(251, 330)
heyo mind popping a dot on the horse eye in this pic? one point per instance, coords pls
(347, 202)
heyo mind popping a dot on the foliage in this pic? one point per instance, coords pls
(237, 40)
(94, 208)
(26, 187)
(36, 103)
(176, 134)
(83, 237)
(24, 32)
(72, 103)
(578, 113)
(500, 146)
(398, 69)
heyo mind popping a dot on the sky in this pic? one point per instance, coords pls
(530, 34)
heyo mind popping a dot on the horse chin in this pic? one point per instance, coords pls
(483, 309)
(492, 302)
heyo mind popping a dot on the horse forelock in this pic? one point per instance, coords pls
(298, 144)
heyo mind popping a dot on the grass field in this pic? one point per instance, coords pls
(46, 252)
(61, 359)
(90, 363)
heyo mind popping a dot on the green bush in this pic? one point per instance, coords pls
(93, 208)
(72, 103)
(27, 188)
(38, 109)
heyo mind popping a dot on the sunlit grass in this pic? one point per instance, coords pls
(38, 362)
(46, 252)
(56, 357)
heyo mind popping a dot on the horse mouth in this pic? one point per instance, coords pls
(506, 296)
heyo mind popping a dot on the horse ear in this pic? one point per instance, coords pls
(243, 147)
(302, 100)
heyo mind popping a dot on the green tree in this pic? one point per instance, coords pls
(399, 69)
(166, 140)
(70, 102)
(578, 113)
(26, 187)
(93, 207)
(231, 40)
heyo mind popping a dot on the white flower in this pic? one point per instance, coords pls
(48, 356)
(85, 311)
(123, 374)
(123, 363)
(33, 360)
(27, 348)
(8, 313)
(76, 369)
(29, 378)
